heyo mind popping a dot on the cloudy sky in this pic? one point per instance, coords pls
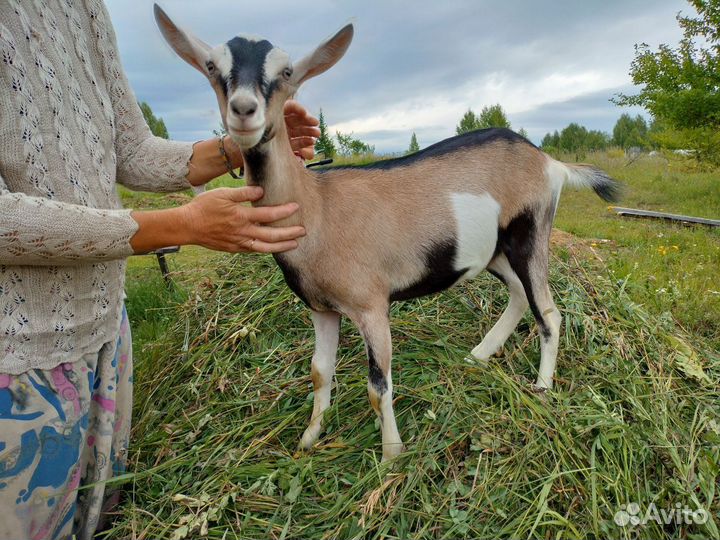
(414, 65)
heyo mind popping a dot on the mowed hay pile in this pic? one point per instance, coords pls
(222, 401)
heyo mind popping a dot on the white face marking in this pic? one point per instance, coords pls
(477, 218)
(222, 58)
(275, 61)
(251, 37)
(245, 131)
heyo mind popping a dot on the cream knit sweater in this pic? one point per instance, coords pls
(70, 128)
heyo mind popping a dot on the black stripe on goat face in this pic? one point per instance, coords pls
(253, 63)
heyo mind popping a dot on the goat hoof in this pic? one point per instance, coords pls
(482, 362)
(390, 454)
(308, 440)
(542, 392)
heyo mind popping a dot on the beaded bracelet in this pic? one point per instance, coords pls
(223, 153)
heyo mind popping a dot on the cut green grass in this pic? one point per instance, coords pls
(223, 394)
(634, 418)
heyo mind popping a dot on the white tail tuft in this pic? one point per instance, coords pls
(584, 175)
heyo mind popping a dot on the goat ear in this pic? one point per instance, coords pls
(191, 49)
(324, 57)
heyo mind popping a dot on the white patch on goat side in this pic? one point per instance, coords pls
(223, 60)
(477, 219)
(275, 61)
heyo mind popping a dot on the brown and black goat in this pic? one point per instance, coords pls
(395, 229)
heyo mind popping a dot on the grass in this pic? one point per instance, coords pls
(671, 269)
(223, 394)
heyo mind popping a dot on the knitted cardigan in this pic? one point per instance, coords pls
(70, 129)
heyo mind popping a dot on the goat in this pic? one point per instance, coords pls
(395, 229)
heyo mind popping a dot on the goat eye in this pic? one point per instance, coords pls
(287, 73)
(210, 67)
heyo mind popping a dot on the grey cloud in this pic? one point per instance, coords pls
(594, 111)
(402, 51)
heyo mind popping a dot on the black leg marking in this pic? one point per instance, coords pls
(517, 242)
(375, 374)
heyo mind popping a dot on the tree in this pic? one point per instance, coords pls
(572, 138)
(523, 133)
(681, 85)
(630, 132)
(551, 141)
(596, 140)
(156, 125)
(493, 116)
(469, 122)
(414, 146)
(324, 144)
(350, 146)
(575, 138)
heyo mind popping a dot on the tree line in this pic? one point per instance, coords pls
(628, 133)
(679, 87)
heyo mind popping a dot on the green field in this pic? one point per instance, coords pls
(223, 393)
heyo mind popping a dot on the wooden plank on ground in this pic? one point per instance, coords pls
(634, 212)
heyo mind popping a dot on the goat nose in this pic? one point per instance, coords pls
(244, 107)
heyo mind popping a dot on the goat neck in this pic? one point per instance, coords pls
(273, 166)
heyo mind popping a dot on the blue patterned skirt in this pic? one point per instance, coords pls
(63, 433)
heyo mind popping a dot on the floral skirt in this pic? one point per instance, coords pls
(63, 433)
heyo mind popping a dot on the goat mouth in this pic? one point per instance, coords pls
(245, 132)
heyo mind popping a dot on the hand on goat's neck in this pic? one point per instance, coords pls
(273, 166)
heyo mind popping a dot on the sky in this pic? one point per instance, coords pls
(414, 65)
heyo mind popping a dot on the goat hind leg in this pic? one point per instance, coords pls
(327, 334)
(549, 320)
(532, 270)
(499, 333)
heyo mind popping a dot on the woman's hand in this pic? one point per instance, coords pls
(302, 129)
(218, 220)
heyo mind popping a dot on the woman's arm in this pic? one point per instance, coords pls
(218, 220)
(37, 231)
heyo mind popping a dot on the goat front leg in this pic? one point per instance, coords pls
(327, 334)
(375, 329)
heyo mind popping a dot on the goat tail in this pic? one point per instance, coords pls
(584, 175)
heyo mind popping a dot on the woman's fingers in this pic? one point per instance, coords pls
(298, 143)
(276, 247)
(294, 109)
(307, 153)
(241, 194)
(304, 131)
(274, 234)
(296, 120)
(268, 214)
